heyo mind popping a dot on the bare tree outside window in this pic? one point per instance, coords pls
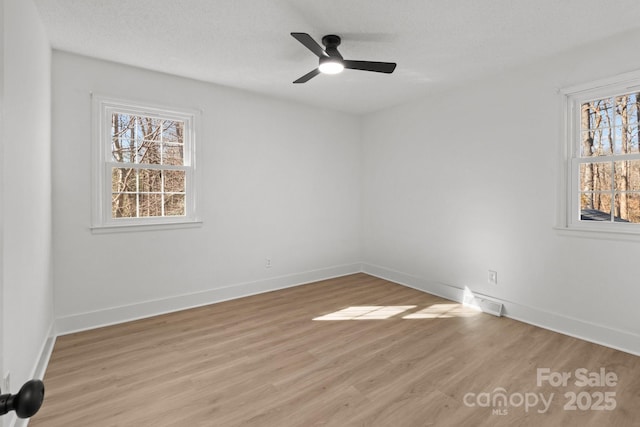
(609, 167)
(148, 180)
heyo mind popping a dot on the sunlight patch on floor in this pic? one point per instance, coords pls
(380, 312)
(366, 312)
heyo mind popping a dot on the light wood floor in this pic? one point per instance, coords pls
(265, 361)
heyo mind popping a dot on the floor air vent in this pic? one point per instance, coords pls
(487, 305)
(491, 307)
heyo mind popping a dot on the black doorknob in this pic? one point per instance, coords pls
(26, 402)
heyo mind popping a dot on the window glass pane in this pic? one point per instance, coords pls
(150, 180)
(173, 154)
(633, 109)
(627, 175)
(174, 205)
(632, 137)
(597, 142)
(626, 140)
(174, 181)
(633, 170)
(597, 114)
(173, 131)
(150, 128)
(149, 153)
(620, 113)
(609, 191)
(610, 126)
(595, 207)
(122, 125)
(123, 205)
(150, 205)
(627, 207)
(123, 150)
(139, 192)
(621, 141)
(587, 146)
(595, 176)
(626, 112)
(125, 126)
(123, 180)
(626, 120)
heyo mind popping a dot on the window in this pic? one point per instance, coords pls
(145, 165)
(604, 152)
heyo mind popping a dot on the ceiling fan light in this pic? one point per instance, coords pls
(331, 67)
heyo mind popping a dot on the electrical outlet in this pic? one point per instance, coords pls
(267, 263)
(493, 277)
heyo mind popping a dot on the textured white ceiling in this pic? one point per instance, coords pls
(246, 43)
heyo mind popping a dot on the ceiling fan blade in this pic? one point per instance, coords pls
(378, 67)
(311, 74)
(309, 43)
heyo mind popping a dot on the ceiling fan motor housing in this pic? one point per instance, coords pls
(331, 42)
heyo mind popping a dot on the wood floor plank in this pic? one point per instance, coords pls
(351, 351)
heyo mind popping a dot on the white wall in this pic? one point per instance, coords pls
(467, 181)
(279, 181)
(27, 308)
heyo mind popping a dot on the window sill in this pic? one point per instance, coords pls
(598, 233)
(128, 228)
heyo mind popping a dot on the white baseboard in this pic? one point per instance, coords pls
(618, 339)
(114, 315)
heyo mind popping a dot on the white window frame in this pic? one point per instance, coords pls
(102, 109)
(569, 212)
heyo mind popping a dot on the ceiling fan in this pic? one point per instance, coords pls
(330, 60)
